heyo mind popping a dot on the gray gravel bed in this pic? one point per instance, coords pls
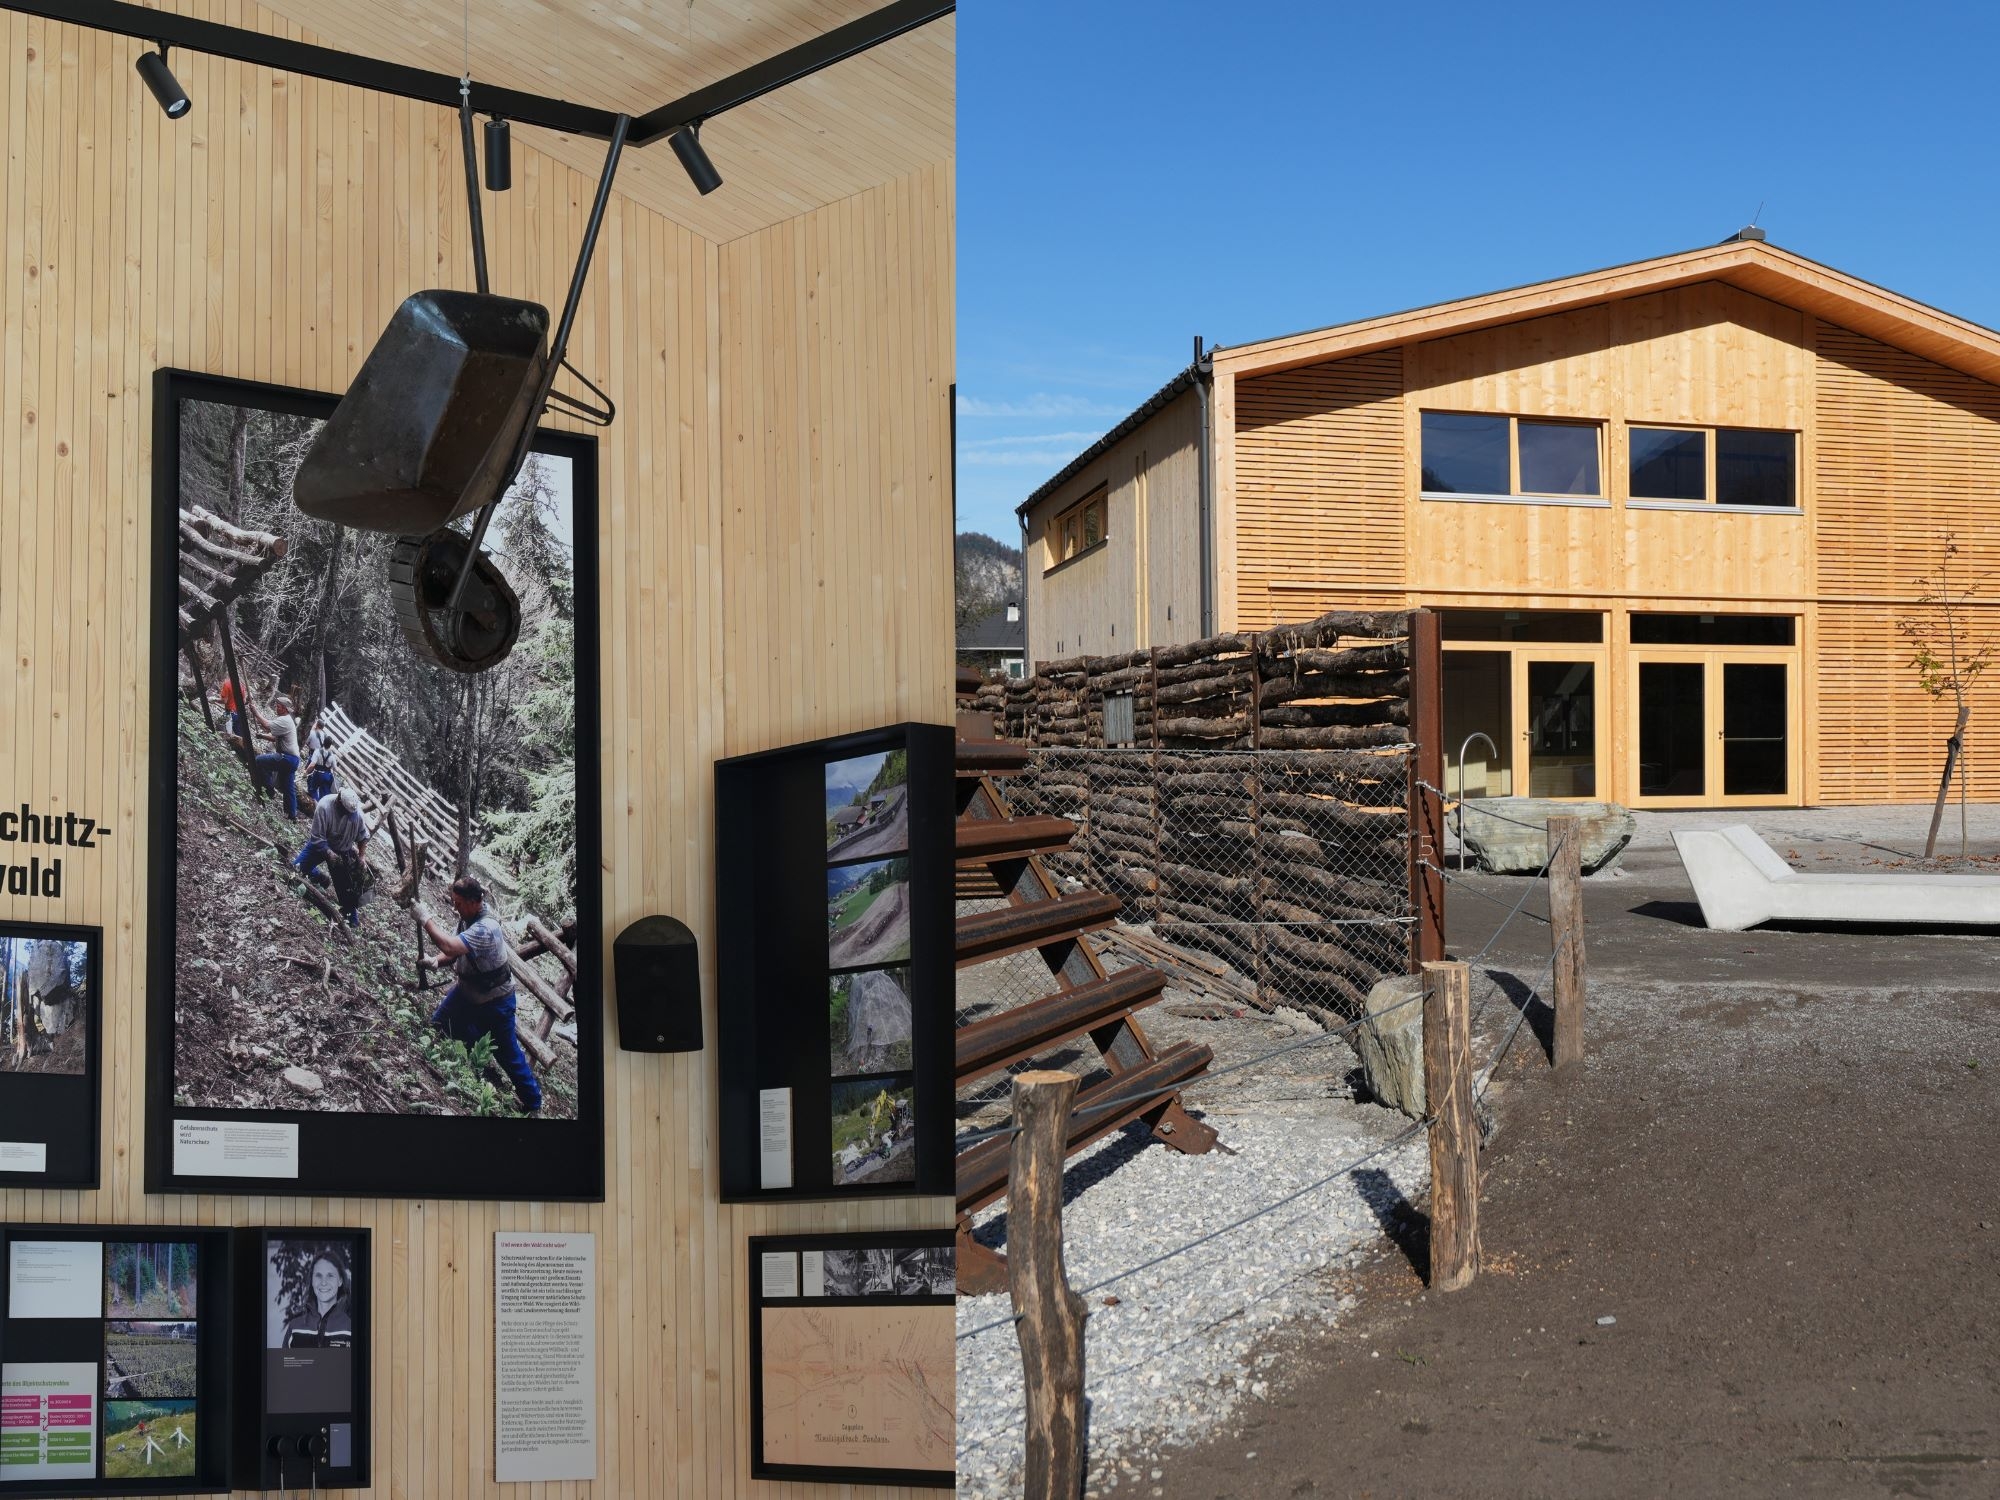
(1186, 1339)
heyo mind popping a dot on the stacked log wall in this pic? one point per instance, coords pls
(1260, 814)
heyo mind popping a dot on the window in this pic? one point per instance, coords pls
(1522, 625)
(1118, 720)
(1729, 465)
(1467, 453)
(1714, 630)
(1077, 529)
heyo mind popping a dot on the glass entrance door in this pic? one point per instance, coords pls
(1561, 727)
(1755, 732)
(1673, 717)
(1713, 728)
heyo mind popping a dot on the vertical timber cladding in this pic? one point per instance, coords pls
(1320, 514)
(268, 236)
(1907, 451)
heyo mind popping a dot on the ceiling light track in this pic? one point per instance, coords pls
(164, 29)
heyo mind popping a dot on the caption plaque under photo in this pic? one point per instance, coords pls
(853, 1361)
(51, 1019)
(391, 1069)
(835, 930)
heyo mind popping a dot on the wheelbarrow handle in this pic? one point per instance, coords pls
(558, 348)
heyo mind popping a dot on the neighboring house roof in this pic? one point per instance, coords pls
(1181, 382)
(994, 632)
(1755, 265)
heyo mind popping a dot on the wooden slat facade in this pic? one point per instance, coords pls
(1908, 450)
(776, 550)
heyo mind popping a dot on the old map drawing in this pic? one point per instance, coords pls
(860, 1387)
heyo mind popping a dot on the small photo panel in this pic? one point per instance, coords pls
(149, 1360)
(868, 914)
(150, 1279)
(149, 1439)
(874, 1131)
(868, 1022)
(867, 806)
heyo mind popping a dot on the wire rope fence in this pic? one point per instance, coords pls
(1463, 1085)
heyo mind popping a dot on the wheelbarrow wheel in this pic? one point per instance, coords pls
(478, 635)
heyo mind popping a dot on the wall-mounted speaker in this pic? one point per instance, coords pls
(658, 979)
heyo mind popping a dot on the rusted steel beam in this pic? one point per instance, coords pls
(991, 758)
(989, 1045)
(1100, 1109)
(1015, 929)
(999, 838)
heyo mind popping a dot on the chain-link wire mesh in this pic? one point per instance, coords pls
(1279, 878)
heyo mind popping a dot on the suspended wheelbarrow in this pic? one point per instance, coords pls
(436, 427)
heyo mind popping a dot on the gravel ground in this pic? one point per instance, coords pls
(1172, 1347)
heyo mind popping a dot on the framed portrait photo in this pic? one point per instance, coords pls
(51, 1013)
(333, 812)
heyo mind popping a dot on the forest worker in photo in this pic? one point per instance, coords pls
(283, 761)
(319, 762)
(339, 838)
(482, 1003)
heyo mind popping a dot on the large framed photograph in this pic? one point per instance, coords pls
(332, 810)
(51, 1013)
(853, 1359)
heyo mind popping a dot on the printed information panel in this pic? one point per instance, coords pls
(545, 1349)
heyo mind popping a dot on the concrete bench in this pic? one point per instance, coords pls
(1740, 881)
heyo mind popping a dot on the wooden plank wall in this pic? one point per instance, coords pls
(1319, 490)
(1908, 451)
(776, 565)
(1143, 586)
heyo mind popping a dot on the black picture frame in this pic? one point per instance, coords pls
(62, 1111)
(374, 1155)
(894, 1239)
(32, 1340)
(773, 962)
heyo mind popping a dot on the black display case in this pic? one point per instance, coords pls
(303, 1344)
(823, 862)
(129, 1388)
(49, 1095)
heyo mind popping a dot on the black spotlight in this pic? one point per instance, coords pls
(499, 156)
(701, 171)
(160, 79)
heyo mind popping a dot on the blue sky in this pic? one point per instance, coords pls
(1132, 174)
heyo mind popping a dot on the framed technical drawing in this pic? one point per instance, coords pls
(853, 1360)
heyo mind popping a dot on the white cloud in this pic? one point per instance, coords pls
(1040, 404)
(1050, 459)
(1026, 439)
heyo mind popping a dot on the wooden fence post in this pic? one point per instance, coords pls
(1566, 935)
(1426, 806)
(1049, 1314)
(1454, 1131)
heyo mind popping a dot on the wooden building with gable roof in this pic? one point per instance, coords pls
(1671, 513)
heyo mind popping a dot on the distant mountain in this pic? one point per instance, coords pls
(989, 576)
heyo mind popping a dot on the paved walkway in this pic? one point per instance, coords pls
(1779, 1172)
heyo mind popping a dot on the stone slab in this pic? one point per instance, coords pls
(1510, 835)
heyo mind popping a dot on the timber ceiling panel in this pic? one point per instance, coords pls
(856, 125)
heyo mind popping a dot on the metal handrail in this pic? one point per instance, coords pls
(1463, 746)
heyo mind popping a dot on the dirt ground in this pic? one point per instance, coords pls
(1776, 1172)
